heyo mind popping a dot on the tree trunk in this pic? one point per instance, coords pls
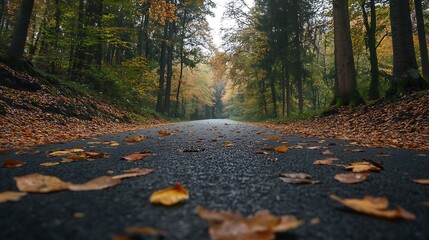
(16, 49)
(372, 46)
(406, 77)
(182, 58)
(2, 14)
(346, 92)
(422, 39)
(162, 62)
(297, 55)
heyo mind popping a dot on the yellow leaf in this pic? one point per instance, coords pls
(11, 196)
(170, 196)
(228, 144)
(95, 184)
(49, 164)
(376, 207)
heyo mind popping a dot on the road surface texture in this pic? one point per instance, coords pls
(218, 178)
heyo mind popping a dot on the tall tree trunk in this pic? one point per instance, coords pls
(422, 39)
(346, 92)
(160, 108)
(406, 77)
(297, 55)
(272, 79)
(3, 5)
(372, 46)
(169, 76)
(16, 49)
(182, 58)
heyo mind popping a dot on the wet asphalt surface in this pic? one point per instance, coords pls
(220, 178)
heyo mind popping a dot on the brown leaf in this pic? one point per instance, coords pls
(136, 156)
(272, 138)
(314, 148)
(262, 153)
(327, 161)
(297, 178)
(164, 133)
(192, 150)
(38, 183)
(421, 181)
(376, 207)
(228, 144)
(95, 184)
(327, 152)
(170, 196)
(135, 172)
(12, 163)
(351, 178)
(50, 164)
(273, 159)
(136, 139)
(261, 226)
(11, 196)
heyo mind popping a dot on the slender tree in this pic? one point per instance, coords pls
(16, 49)
(422, 39)
(346, 92)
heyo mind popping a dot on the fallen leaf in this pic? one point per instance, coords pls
(95, 184)
(95, 155)
(314, 148)
(12, 163)
(2, 152)
(281, 149)
(50, 164)
(351, 178)
(192, 150)
(170, 196)
(376, 207)
(327, 152)
(272, 138)
(228, 144)
(164, 133)
(135, 172)
(315, 221)
(327, 161)
(421, 181)
(273, 159)
(11, 196)
(64, 152)
(363, 166)
(263, 225)
(114, 144)
(136, 156)
(146, 230)
(297, 178)
(383, 154)
(262, 153)
(136, 139)
(38, 183)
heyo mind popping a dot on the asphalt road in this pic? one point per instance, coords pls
(220, 178)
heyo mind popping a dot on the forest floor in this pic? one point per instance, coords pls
(44, 114)
(401, 124)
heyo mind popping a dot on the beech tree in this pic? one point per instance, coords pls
(346, 92)
(16, 49)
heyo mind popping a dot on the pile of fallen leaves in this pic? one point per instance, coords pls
(49, 115)
(402, 124)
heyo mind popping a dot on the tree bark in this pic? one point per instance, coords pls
(160, 108)
(372, 46)
(297, 55)
(16, 49)
(346, 92)
(406, 77)
(422, 39)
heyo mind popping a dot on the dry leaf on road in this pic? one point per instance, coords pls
(281, 149)
(352, 178)
(421, 181)
(170, 196)
(136, 139)
(327, 152)
(135, 172)
(38, 183)
(363, 166)
(327, 161)
(136, 156)
(228, 144)
(146, 231)
(297, 178)
(95, 184)
(12, 163)
(263, 225)
(50, 164)
(376, 207)
(11, 196)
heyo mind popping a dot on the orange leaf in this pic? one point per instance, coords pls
(170, 196)
(136, 156)
(376, 207)
(282, 149)
(164, 133)
(11, 196)
(12, 163)
(228, 144)
(136, 139)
